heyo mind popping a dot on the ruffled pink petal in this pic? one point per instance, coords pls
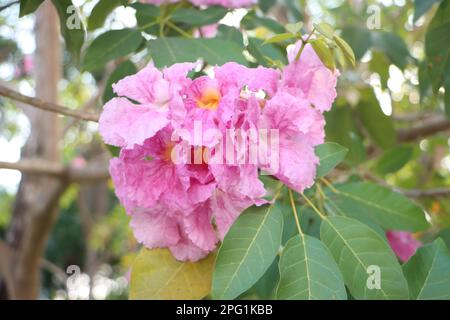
(309, 78)
(155, 230)
(199, 228)
(186, 250)
(146, 86)
(233, 76)
(125, 124)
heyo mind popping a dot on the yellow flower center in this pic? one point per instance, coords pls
(209, 100)
(167, 154)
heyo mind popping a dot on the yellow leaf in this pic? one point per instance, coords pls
(157, 275)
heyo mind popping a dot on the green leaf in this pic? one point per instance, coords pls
(422, 6)
(428, 272)
(265, 53)
(437, 41)
(308, 272)
(294, 28)
(359, 39)
(445, 235)
(280, 38)
(380, 64)
(29, 6)
(252, 21)
(309, 222)
(100, 12)
(167, 51)
(157, 275)
(378, 125)
(447, 87)
(111, 45)
(145, 10)
(72, 29)
(394, 159)
(266, 286)
(324, 53)
(247, 251)
(146, 17)
(340, 127)
(346, 49)
(265, 5)
(437, 47)
(356, 247)
(126, 68)
(339, 56)
(230, 34)
(330, 155)
(325, 29)
(113, 150)
(393, 46)
(197, 18)
(387, 208)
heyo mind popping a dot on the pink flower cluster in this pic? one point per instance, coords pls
(199, 3)
(188, 204)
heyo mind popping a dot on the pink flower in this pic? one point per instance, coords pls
(403, 244)
(79, 162)
(125, 124)
(217, 103)
(309, 78)
(188, 167)
(147, 176)
(234, 77)
(300, 128)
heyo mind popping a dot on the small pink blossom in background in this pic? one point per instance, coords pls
(403, 244)
(26, 67)
(209, 31)
(163, 120)
(78, 162)
(223, 3)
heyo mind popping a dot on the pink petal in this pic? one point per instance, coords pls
(125, 124)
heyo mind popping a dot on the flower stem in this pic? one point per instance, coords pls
(304, 42)
(329, 185)
(294, 210)
(309, 202)
(179, 30)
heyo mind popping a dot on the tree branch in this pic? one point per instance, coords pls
(411, 193)
(426, 128)
(430, 193)
(48, 106)
(6, 6)
(91, 173)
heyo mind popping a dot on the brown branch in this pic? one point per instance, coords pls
(34, 166)
(411, 193)
(430, 193)
(6, 6)
(426, 128)
(91, 173)
(90, 104)
(48, 106)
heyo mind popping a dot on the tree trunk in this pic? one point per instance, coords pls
(36, 205)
